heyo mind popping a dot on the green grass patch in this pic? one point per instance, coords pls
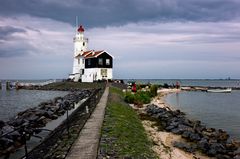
(74, 85)
(117, 91)
(122, 133)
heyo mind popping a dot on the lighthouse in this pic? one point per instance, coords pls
(89, 65)
(80, 46)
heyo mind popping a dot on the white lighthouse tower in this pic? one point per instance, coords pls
(80, 46)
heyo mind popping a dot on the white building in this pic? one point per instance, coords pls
(89, 65)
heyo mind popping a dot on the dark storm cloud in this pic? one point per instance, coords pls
(6, 31)
(6, 37)
(108, 12)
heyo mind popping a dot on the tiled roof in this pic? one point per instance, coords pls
(87, 52)
(93, 54)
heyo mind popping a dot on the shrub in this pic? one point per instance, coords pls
(129, 98)
(139, 87)
(139, 98)
(142, 97)
(153, 90)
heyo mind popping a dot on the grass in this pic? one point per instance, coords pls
(122, 131)
(74, 85)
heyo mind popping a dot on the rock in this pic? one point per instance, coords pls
(203, 144)
(237, 157)
(232, 145)
(58, 100)
(221, 156)
(237, 152)
(194, 137)
(184, 146)
(5, 142)
(191, 135)
(32, 118)
(48, 114)
(16, 122)
(2, 123)
(176, 131)
(7, 129)
(170, 127)
(219, 148)
(211, 152)
(222, 135)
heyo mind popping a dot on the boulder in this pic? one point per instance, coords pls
(7, 129)
(188, 134)
(237, 157)
(6, 142)
(203, 144)
(221, 156)
(185, 146)
(169, 128)
(2, 124)
(237, 152)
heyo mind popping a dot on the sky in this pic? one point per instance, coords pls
(150, 39)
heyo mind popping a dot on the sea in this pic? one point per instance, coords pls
(14, 101)
(216, 110)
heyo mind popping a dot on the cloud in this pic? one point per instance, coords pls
(34, 36)
(95, 13)
(7, 31)
(148, 38)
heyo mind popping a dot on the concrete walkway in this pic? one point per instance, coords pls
(86, 146)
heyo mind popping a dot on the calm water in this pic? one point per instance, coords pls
(191, 82)
(217, 110)
(14, 101)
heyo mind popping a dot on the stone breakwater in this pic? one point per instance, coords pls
(214, 143)
(14, 133)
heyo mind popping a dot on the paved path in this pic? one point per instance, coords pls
(86, 146)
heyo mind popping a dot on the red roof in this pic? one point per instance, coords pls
(93, 54)
(86, 53)
(80, 29)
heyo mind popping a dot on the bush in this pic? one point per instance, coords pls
(142, 97)
(138, 98)
(129, 98)
(153, 90)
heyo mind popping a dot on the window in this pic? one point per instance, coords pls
(83, 43)
(82, 61)
(104, 72)
(78, 61)
(89, 62)
(100, 61)
(81, 71)
(107, 61)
